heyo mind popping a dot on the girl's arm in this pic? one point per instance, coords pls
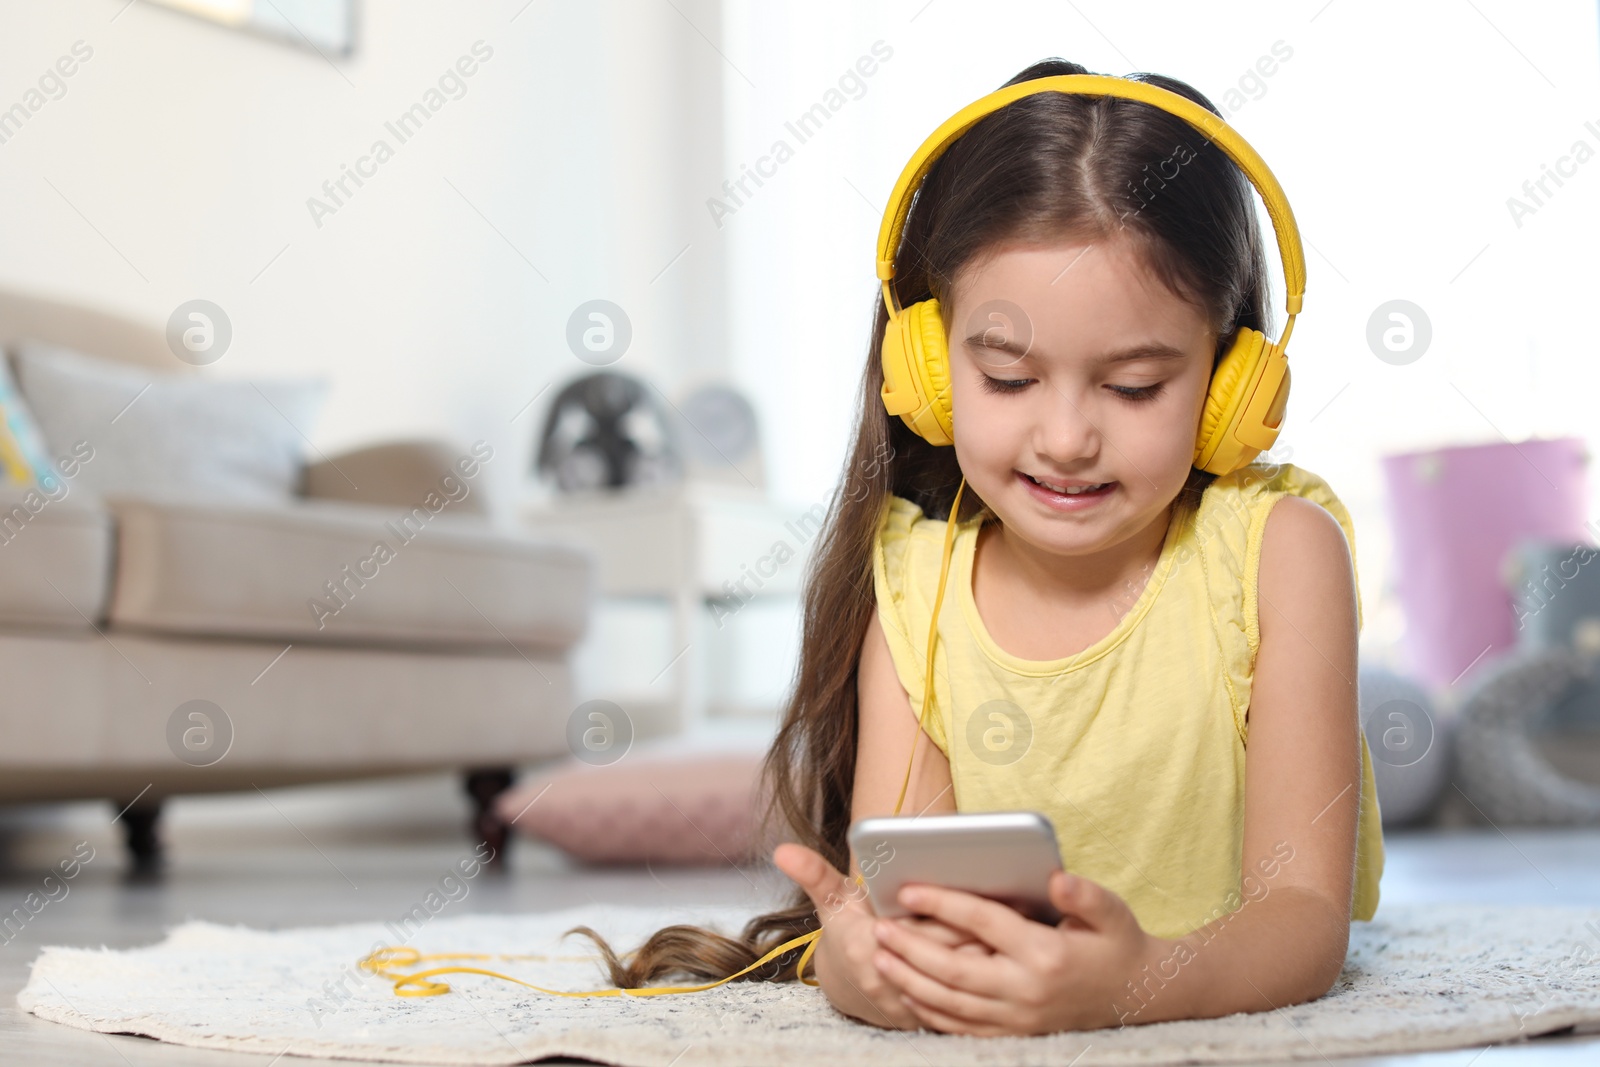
(886, 731)
(1287, 942)
(887, 728)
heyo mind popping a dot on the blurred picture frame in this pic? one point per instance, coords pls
(324, 26)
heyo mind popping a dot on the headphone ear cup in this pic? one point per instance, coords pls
(1217, 448)
(930, 355)
(916, 372)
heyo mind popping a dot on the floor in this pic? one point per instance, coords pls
(346, 854)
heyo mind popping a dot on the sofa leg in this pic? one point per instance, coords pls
(483, 786)
(141, 831)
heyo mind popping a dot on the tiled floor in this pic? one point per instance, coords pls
(327, 874)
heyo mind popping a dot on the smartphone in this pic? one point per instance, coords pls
(1004, 855)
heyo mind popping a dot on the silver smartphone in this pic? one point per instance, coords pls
(1004, 855)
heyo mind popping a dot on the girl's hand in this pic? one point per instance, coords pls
(1039, 979)
(843, 959)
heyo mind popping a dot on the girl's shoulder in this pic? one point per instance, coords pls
(1245, 497)
(907, 542)
(1230, 527)
(903, 521)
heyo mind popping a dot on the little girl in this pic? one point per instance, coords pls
(1160, 659)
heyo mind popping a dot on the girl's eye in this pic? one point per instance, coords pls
(1139, 393)
(1003, 385)
(1133, 394)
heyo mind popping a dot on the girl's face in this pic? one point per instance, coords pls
(1073, 364)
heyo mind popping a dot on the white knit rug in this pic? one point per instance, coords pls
(1415, 979)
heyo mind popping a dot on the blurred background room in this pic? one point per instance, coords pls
(419, 417)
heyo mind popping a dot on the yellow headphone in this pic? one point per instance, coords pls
(1250, 386)
(1243, 414)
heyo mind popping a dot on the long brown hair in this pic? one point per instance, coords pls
(1040, 168)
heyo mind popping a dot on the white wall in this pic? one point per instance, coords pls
(1398, 130)
(190, 151)
(593, 139)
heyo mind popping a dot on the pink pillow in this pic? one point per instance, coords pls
(694, 808)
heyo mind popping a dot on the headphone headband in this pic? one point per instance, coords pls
(1215, 130)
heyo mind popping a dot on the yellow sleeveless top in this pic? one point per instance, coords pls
(1134, 747)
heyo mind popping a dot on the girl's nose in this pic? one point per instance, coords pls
(1066, 433)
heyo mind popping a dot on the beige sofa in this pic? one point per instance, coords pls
(117, 612)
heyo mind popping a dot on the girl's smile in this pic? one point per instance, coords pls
(1068, 494)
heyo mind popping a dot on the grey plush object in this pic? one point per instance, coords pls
(1501, 770)
(1409, 741)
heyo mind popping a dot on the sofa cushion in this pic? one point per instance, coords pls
(25, 459)
(153, 433)
(55, 557)
(323, 571)
(84, 717)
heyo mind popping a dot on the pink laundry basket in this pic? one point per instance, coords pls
(1455, 514)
